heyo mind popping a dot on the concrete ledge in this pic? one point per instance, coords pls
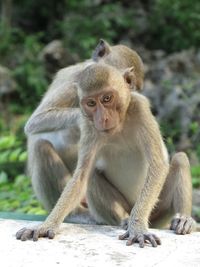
(92, 245)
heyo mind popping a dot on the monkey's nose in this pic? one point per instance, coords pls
(105, 123)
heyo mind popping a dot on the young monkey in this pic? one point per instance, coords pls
(122, 164)
(53, 128)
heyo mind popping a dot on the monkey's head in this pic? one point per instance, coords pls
(104, 95)
(121, 57)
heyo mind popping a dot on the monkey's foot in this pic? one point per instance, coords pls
(141, 238)
(182, 224)
(27, 233)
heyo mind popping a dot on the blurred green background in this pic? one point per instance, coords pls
(28, 26)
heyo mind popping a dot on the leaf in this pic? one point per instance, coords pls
(196, 182)
(21, 180)
(196, 171)
(4, 156)
(3, 177)
(14, 155)
(23, 156)
(7, 141)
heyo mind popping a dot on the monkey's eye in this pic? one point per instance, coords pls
(107, 98)
(91, 103)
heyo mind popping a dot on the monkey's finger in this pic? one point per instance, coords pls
(174, 224)
(19, 233)
(158, 241)
(151, 239)
(27, 234)
(190, 226)
(141, 241)
(50, 234)
(189, 229)
(36, 235)
(186, 225)
(124, 236)
(129, 242)
(180, 227)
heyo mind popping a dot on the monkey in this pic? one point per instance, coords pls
(123, 165)
(53, 128)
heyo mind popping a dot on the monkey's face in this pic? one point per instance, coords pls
(103, 109)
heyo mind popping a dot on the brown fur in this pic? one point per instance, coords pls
(125, 172)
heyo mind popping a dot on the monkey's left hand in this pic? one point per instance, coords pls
(136, 233)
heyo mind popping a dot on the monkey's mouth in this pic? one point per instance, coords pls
(106, 131)
(109, 131)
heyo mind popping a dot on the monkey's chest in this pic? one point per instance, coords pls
(125, 169)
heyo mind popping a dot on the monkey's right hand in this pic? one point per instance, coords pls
(34, 233)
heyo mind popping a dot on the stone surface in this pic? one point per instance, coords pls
(56, 56)
(91, 245)
(172, 84)
(7, 83)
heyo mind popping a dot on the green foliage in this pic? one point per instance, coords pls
(15, 193)
(30, 73)
(12, 155)
(172, 133)
(194, 134)
(34, 16)
(196, 176)
(194, 127)
(196, 213)
(87, 22)
(174, 24)
(25, 64)
(18, 195)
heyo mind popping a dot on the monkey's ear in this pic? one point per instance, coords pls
(102, 49)
(129, 77)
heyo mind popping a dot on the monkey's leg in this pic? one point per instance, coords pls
(48, 173)
(106, 204)
(176, 196)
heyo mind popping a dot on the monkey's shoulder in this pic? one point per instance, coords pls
(139, 102)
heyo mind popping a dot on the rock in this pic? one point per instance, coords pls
(92, 245)
(56, 56)
(158, 54)
(7, 83)
(172, 84)
(196, 197)
(197, 60)
(140, 20)
(159, 71)
(194, 160)
(182, 62)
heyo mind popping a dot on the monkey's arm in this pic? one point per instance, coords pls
(151, 144)
(70, 197)
(138, 223)
(52, 119)
(58, 109)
